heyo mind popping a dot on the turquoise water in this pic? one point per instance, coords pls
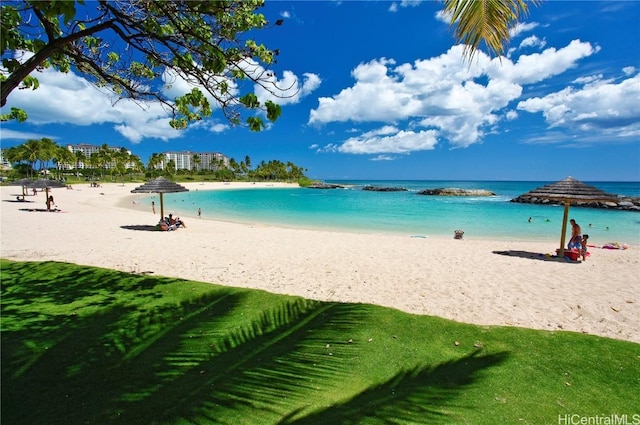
(356, 210)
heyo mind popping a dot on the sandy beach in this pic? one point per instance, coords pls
(475, 281)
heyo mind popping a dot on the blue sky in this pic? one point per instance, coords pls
(383, 93)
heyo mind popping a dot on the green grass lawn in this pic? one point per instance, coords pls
(84, 345)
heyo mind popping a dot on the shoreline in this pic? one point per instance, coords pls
(507, 222)
(480, 281)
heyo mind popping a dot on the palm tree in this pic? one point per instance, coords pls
(46, 152)
(487, 21)
(154, 160)
(105, 157)
(30, 151)
(196, 162)
(171, 168)
(16, 157)
(135, 165)
(80, 158)
(122, 158)
(234, 167)
(94, 162)
(63, 158)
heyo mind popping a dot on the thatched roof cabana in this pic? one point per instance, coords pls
(161, 186)
(566, 192)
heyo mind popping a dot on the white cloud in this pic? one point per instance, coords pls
(443, 17)
(532, 41)
(445, 96)
(588, 79)
(289, 88)
(387, 139)
(67, 98)
(177, 85)
(383, 158)
(8, 134)
(599, 106)
(404, 3)
(521, 27)
(70, 99)
(629, 70)
(218, 128)
(539, 66)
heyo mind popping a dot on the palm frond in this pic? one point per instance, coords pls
(487, 21)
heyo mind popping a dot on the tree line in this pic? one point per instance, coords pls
(44, 156)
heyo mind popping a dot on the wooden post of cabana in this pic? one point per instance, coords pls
(563, 235)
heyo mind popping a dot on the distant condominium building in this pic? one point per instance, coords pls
(194, 161)
(87, 150)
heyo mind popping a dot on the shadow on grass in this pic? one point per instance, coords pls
(86, 345)
(416, 395)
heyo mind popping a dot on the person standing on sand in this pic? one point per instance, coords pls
(50, 202)
(576, 235)
(583, 250)
(153, 206)
(199, 213)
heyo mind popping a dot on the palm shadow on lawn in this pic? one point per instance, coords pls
(119, 350)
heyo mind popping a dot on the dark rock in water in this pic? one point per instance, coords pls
(325, 186)
(454, 191)
(384, 189)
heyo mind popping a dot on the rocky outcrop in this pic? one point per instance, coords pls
(621, 203)
(454, 191)
(325, 186)
(384, 189)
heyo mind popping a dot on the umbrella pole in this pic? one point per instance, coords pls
(564, 228)
(161, 207)
(46, 199)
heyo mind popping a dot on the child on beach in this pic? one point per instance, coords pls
(583, 250)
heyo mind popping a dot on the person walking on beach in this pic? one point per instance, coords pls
(199, 213)
(153, 206)
(576, 235)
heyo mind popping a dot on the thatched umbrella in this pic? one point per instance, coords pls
(46, 184)
(22, 182)
(161, 186)
(567, 191)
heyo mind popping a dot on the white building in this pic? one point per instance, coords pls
(87, 150)
(185, 160)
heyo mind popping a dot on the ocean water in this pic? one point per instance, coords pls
(353, 209)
